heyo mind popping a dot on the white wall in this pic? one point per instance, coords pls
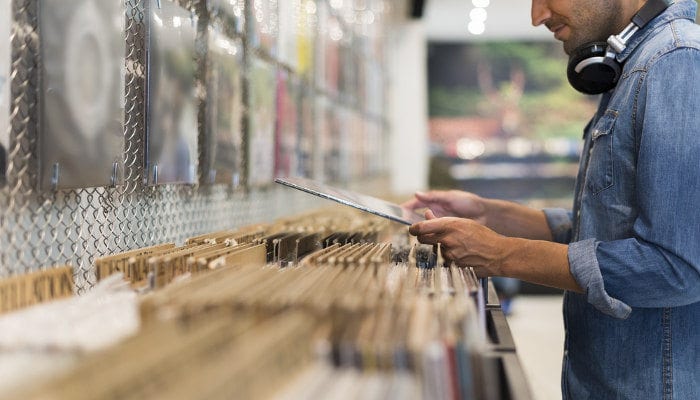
(408, 110)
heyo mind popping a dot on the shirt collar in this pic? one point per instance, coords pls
(681, 9)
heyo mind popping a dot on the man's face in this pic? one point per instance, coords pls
(577, 22)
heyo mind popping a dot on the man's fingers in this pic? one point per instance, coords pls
(429, 214)
(430, 226)
(428, 239)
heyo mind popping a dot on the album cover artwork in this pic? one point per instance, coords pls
(263, 23)
(331, 60)
(81, 135)
(330, 33)
(306, 142)
(224, 109)
(306, 34)
(289, 19)
(5, 20)
(374, 147)
(229, 13)
(262, 109)
(343, 145)
(329, 135)
(286, 130)
(171, 153)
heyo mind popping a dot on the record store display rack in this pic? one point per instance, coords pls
(128, 123)
(327, 304)
(139, 142)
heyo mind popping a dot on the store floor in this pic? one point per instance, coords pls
(537, 327)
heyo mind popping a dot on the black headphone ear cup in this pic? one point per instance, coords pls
(590, 71)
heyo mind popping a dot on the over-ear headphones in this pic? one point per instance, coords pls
(593, 68)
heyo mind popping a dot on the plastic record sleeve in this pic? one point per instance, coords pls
(81, 135)
(5, 20)
(224, 109)
(171, 153)
(261, 148)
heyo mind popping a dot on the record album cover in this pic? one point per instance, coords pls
(224, 109)
(261, 143)
(81, 135)
(228, 12)
(171, 153)
(307, 144)
(263, 24)
(5, 20)
(286, 130)
(289, 19)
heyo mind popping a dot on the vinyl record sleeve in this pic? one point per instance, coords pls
(286, 130)
(229, 13)
(330, 135)
(343, 145)
(360, 201)
(81, 135)
(171, 153)
(331, 53)
(307, 30)
(289, 19)
(5, 21)
(262, 111)
(224, 109)
(263, 25)
(306, 143)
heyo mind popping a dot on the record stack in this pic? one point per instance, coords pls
(295, 310)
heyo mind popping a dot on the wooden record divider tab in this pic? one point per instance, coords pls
(162, 269)
(201, 261)
(20, 291)
(108, 265)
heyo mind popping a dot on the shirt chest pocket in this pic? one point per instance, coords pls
(600, 164)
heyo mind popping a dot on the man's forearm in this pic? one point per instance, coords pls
(537, 261)
(516, 220)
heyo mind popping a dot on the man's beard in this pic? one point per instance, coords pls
(595, 26)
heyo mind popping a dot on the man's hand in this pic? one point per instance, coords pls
(452, 203)
(470, 244)
(464, 242)
(504, 217)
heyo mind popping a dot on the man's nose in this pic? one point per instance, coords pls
(539, 12)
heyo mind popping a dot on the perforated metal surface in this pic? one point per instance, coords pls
(44, 229)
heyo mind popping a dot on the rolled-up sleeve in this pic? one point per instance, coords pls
(583, 264)
(560, 223)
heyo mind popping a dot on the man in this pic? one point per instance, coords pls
(629, 253)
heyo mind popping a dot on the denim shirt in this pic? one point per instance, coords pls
(634, 232)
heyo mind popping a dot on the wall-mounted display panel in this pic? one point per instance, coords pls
(224, 109)
(81, 135)
(229, 13)
(5, 21)
(261, 121)
(171, 152)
